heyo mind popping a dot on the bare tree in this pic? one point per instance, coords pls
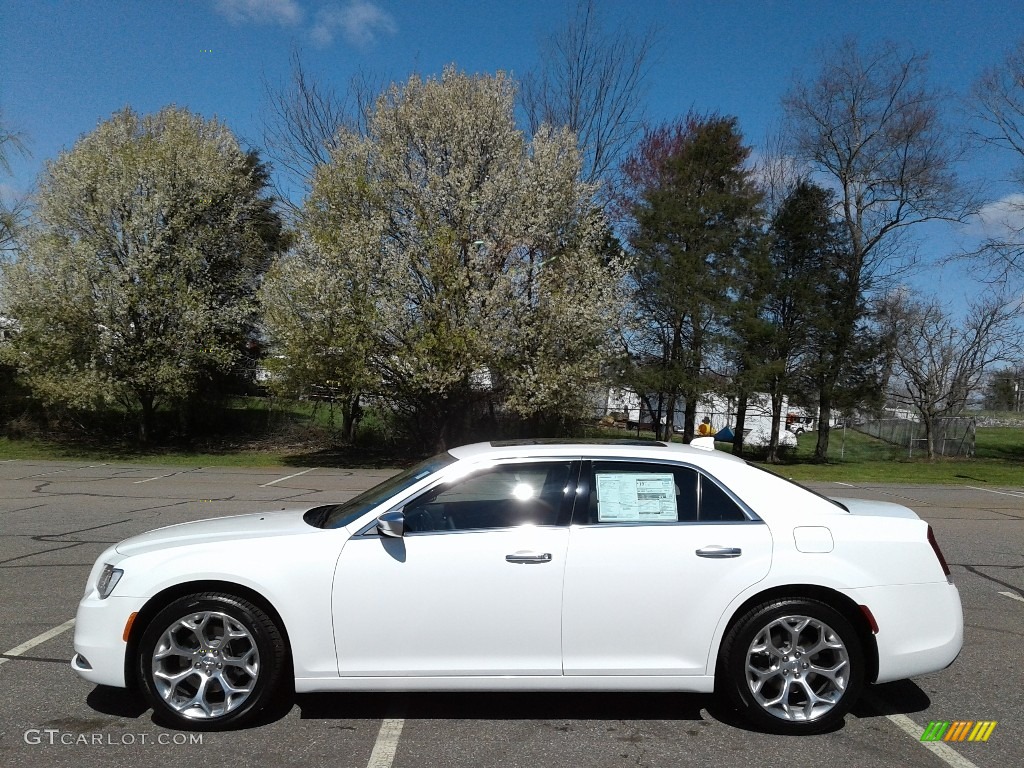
(939, 363)
(301, 124)
(778, 171)
(13, 217)
(871, 124)
(592, 82)
(998, 99)
(10, 141)
(13, 212)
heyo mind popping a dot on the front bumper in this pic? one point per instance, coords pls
(99, 638)
(920, 627)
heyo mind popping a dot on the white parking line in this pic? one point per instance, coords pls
(848, 485)
(58, 471)
(1015, 494)
(38, 640)
(288, 477)
(942, 751)
(387, 743)
(151, 479)
(1013, 596)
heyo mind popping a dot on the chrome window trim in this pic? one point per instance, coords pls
(667, 524)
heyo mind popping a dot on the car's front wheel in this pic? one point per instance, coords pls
(210, 661)
(793, 666)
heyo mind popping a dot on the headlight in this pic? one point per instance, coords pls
(108, 579)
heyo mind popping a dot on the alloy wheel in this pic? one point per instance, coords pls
(205, 665)
(797, 668)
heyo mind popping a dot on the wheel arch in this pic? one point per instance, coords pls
(831, 597)
(165, 597)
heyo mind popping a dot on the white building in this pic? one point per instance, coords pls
(721, 411)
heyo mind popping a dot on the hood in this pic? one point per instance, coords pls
(876, 508)
(234, 528)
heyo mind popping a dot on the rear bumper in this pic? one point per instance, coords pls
(920, 627)
(99, 642)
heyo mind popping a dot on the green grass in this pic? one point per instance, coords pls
(855, 457)
(861, 458)
(1005, 443)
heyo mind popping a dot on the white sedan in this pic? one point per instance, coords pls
(531, 566)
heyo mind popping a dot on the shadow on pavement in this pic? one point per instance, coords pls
(898, 698)
(504, 706)
(902, 697)
(118, 702)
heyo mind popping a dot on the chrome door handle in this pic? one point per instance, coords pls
(524, 556)
(718, 552)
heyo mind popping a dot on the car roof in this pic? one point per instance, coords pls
(628, 449)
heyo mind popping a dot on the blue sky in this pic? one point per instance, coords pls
(66, 65)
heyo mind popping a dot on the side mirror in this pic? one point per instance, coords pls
(391, 524)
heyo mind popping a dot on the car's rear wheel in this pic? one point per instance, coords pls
(210, 661)
(793, 666)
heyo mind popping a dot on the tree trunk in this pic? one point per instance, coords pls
(773, 442)
(644, 402)
(656, 417)
(929, 437)
(824, 422)
(741, 422)
(146, 424)
(351, 412)
(670, 418)
(689, 417)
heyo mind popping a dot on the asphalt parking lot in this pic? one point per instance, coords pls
(55, 518)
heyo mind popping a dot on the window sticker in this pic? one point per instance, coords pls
(636, 497)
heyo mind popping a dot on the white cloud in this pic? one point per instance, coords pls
(287, 12)
(361, 23)
(1000, 218)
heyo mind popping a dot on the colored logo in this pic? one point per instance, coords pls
(959, 730)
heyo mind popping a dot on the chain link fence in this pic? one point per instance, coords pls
(951, 435)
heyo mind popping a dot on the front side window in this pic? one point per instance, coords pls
(643, 492)
(505, 496)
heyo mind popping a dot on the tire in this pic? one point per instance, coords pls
(211, 661)
(792, 666)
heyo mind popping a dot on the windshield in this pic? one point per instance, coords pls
(338, 515)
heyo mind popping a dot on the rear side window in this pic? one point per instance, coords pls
(643, 492)
(716, 506)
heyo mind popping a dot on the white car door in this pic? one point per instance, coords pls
(654, 559)
(474, 587)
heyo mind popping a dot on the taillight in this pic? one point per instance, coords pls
(937, 551)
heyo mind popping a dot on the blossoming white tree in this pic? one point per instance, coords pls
(141, 265)
(468, 261)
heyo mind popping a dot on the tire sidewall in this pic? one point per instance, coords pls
(734, 659)
(268, 646)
